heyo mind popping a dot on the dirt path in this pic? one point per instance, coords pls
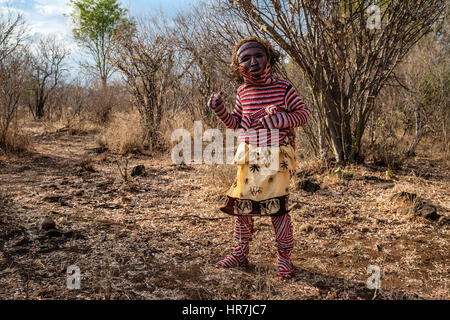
(158, 236)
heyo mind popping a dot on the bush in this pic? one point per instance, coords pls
(15, 142)
(123, 134)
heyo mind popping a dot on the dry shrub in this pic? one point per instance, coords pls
(123, 134)
(434, 149)
(15, 141)
(220, 177)
(387, 154)
(103, 102)
(181, 120)
(405, 206)
(69, 119)
(386, 146)
(87, 164)
(84, 127)
(312, 167)
(72, 127)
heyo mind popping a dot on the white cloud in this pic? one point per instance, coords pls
(52, 7)
(50, 17)
(48, 27)
(5, 10)
(42, 16)
(49, 10)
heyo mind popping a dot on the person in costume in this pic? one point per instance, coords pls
(267, 110)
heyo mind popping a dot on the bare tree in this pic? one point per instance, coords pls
(145, 57)
(14, 71)
(47, 70)
(346, 55)
(414, 104)
(206, 36)
(69, 102)
(12, 33)
(207, 56)
(426, 96)
(14, 74)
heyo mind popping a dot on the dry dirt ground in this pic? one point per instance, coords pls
(158, 236)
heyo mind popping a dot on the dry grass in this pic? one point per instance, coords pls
(182, 120)
(123, 134)
(87, 164)
(220, 177)
(16, 141)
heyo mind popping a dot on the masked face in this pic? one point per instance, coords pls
(253, 60)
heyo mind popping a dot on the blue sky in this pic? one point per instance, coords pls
(46, 17)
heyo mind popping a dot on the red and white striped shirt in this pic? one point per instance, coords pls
(250, 112)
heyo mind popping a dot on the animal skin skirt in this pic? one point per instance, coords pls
(261, 187)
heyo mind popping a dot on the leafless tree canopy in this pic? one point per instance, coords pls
(145, 58)
(346, 61)
(350, 70)
(12, 33)
(48, 68)
(14, 67)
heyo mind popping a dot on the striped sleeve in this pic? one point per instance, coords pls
(230, 120)
(297, 113)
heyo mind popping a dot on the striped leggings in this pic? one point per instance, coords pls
(243, 230)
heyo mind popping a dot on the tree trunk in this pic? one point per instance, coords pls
(322, 141)
(39, 109)
(418, 132)
(333, 125)
(356, 143)
(104, 80)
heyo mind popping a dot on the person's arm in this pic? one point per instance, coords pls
(297, 113)
(233, 120)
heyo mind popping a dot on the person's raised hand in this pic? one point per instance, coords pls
(215, 101)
